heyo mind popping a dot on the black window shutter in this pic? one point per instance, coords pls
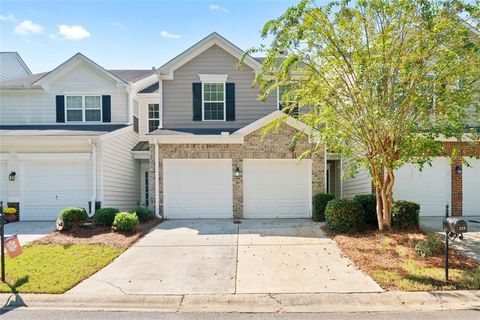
(60, 102)
(106, 109)
(197, 101)
(230, 101)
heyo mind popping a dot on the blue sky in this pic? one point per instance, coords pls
(126, 34)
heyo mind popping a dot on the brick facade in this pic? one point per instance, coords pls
(274, 145)
(465, 149)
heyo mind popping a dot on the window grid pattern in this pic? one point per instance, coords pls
(83, 108)
(214, 101)
(153, 116)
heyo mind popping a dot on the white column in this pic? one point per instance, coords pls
(157, 182)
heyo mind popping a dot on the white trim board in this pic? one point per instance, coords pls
(83, 156)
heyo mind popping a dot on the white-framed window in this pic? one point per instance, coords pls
(283, 101)
(153, 116)
(213, 101)
(83, 108)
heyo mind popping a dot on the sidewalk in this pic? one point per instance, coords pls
(318, 302)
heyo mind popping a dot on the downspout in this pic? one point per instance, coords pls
(160, 92)
(93, 148)
(157, 182)
(130, 103)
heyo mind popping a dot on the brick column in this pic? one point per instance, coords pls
(237, 189)
(457, 190)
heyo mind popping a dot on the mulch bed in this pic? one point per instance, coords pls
(92, 234)
(374, 250)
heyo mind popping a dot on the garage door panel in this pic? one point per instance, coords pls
(47, 188)
(277, 188)
(431, 187)
(471, 188)
(198, 188)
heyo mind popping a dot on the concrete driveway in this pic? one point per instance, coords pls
(218, 256)
(29, 231)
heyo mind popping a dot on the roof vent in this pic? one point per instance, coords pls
(154, 69)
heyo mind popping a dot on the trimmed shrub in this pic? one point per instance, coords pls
(344, 216)
(125, 222)
(369, 205)
(70, 217)
(105, 216)
(143, 213)
(405, 215)
(320, 201)
(429, 247)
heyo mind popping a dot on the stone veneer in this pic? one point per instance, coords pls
(273, 145)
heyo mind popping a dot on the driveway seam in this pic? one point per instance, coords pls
(236, 260)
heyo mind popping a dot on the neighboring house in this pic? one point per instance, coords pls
(12, 66)
(66, 139)
(186, 140)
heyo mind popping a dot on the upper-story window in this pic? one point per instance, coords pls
(286, 102)
(83, 108)
(153, 116)
(213, 101)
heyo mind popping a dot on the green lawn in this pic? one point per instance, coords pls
(55, 268)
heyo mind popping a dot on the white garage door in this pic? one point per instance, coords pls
(197, 188)
(3, 182)
(431, 188)
(277, 188)
(48, 187)
(471, 188)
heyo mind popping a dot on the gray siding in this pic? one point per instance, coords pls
(361, 183)
(121, 173)
(177, 93)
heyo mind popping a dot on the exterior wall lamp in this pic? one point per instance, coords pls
(458, 169)
(236, 171)
(11, 176)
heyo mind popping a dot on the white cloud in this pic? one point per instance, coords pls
(119, 25)
(73, 32)
(170, 35)
(27, 27)
(217, 8)
(10, 18)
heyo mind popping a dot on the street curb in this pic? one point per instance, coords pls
(315, 302)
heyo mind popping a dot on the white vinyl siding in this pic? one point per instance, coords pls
(38, 106)
(177, 93)
(121, 173)
(4, 182)
(361, 183)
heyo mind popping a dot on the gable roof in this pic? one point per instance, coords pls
(71, 63)
(166, 71)
(12, 66)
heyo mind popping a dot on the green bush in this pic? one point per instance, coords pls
(369, 205)
(429, 247)
(405, 215)
(70, 217)
(143, 213)
(320, 201)
(105, 216)
(125, 222)
(344, 216)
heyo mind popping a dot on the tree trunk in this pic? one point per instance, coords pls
(384, 180)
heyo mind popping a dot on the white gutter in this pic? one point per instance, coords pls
(157, 182)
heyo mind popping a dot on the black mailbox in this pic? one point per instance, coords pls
(455, 225)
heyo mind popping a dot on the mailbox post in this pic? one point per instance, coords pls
(454, 227)
(2, 240)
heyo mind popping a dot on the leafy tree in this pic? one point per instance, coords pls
(384, 80)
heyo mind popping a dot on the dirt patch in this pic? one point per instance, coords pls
(391, 260)
(92, 234)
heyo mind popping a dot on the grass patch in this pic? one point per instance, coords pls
(390, 259)
(43, 268)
